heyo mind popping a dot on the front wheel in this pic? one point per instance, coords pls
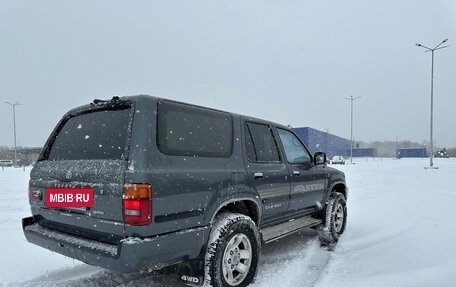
(233, 251)
(335, 219)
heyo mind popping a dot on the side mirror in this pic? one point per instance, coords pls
(320, 158)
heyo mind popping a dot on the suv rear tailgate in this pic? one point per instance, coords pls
(105, 177)
(88, 149)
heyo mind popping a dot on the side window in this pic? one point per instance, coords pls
(251, 156)
(193, 131)
(294, 150)
(261, 146)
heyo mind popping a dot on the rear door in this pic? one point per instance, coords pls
(307, 181)
(265, 170)
(88, 149)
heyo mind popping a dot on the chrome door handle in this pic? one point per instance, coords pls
(258, 174)
(296, 172)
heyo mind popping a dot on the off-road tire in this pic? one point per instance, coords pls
(227, 230)
(334, 219)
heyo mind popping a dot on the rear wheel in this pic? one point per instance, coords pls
(233, 251)
(334, 220)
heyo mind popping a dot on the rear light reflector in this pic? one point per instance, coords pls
(33, 193)
(137, 204)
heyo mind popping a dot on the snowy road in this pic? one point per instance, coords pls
(401, 232)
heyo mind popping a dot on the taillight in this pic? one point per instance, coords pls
(137, 204)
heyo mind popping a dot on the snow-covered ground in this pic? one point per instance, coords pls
(401, 232)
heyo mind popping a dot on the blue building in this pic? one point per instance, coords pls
(411, 152)
(316, 140)
(364, 152)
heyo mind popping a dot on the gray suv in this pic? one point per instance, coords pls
(139, 183)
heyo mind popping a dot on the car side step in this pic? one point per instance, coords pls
(283, 229)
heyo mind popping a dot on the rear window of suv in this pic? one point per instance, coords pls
(193, 131)
(101, 134)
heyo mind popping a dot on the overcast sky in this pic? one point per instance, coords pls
(291, 62)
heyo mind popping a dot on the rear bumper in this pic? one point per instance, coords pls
(129, 255)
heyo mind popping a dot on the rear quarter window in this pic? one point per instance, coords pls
(192, 131)
(100, 134)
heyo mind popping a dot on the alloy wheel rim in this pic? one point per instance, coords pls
(237, 259)
(339, 218)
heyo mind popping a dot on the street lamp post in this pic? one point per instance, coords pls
(14, 125)
(438, 47)
(351, 99)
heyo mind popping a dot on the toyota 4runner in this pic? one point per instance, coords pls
(139, 183)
